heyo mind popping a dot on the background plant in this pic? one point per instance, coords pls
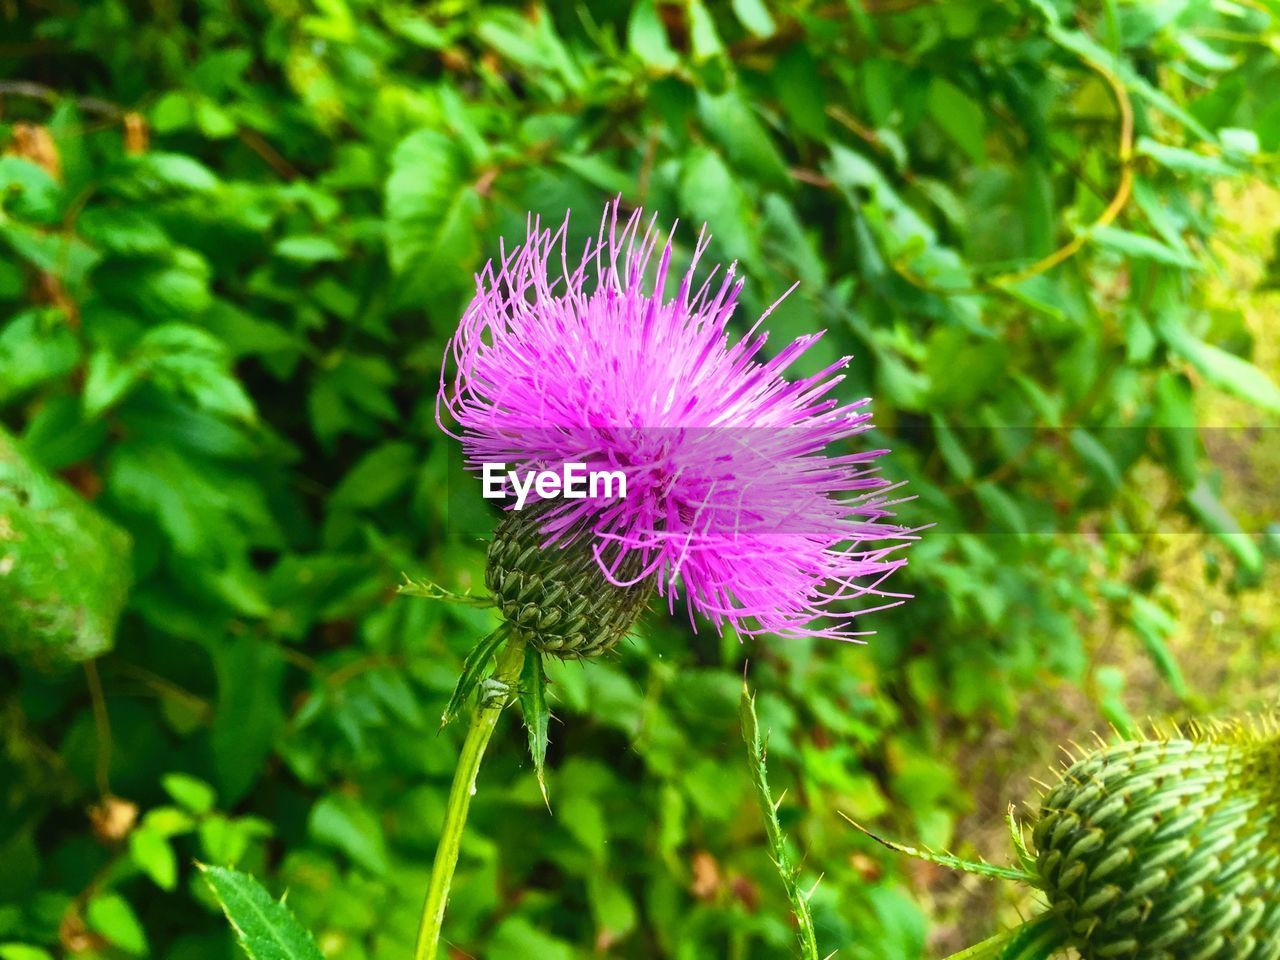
(236, 238)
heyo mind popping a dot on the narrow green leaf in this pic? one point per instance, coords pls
(112, 916)
(151, 851)
(346, 823)
(754, 15)
(1222, 524)
(1154, 625)
(172, 171)
(647, 37)
(1097, 457)
(702, 29)
(1222, 369)
(473, 669)
(196, 795)
(430, 590)
(308, 248)
(537, 714)
(1039, 939)
(23, 951)
(1184, 161)
(729, 118)
(265, 927)
(960, 117)
(976, 867)
(1142, 247)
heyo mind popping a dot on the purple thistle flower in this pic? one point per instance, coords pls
(732, 501)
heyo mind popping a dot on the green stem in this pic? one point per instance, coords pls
(483, 721)
(787, 870)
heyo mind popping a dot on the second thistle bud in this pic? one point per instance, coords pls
(558, 595)
(1167, 848)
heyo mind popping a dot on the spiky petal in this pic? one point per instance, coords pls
(734, 502)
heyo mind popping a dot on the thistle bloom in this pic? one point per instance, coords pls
(1167, 847)
(1164, 847)
(734, 503)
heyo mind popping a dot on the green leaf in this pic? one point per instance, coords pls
(537, 713)
(158, 172)
(308, 248)
(28, 189)
(1224, 370)
(152, 851)
(1154, 626)
(250, 673)
(754, 15)
(345, 823)
(35, 346)
(124, 230)
(66, 570)
(378, 476)
(225, 840)
(187, 360)
(952, 450)
(798, 81)
(647, 37)
(1184, 161)
(1037, 939)
(426, 172)
(1097, 457)
(110, 915)
(960, 117)
(430, 216)
(598, 173)
(1141, 247)
(704, 38)
(711, 195)
(172, 111)
(732, 122)
(1214, 516)
(1175, 423)
(196, 795)
(519, 939)
(614, 912)
(265, 927)
(430, 590)
(473, 669)
(22, 951)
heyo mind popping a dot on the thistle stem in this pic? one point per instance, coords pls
(483, 721)
(787, 870)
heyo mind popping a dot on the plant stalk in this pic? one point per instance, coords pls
(787, 870)
(483, 721)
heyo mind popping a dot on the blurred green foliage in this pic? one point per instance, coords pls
(236, 236)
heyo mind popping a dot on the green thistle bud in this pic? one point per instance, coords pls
(1167, 848)
(557, 595)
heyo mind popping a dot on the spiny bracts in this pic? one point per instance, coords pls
(557, 594)
(1167, 848)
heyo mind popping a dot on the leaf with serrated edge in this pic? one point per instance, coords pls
(537, 714)
(264, 926)
(472, 670)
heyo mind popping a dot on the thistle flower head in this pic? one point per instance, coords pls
(1168, 848)
(1160, 848)
(736, 502)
